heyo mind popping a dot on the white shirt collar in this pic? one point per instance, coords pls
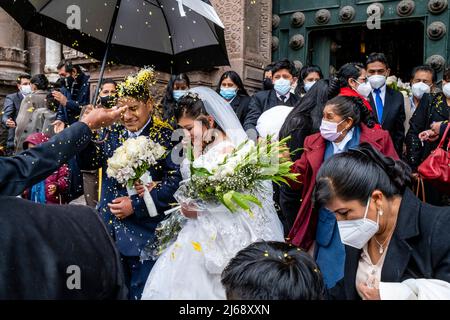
(287, 95)
(138, 133)
(340, 147)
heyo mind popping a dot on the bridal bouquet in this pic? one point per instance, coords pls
(398, 85)
(234, 182)
(131, 162)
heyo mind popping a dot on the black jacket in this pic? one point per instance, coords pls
(419, 248)
(34, 165)
(10, 111)
(432, 108)
(56, 252)
(393, 116)
(240, 106)
(263, 101)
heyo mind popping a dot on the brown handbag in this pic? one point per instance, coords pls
(435, 169)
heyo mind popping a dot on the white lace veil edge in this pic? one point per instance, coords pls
(223, 114)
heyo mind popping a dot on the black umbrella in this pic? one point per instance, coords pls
(166, 34)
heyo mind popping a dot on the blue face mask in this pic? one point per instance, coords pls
(228, 93)
(282, 86)
(177, 94)
(309, 85)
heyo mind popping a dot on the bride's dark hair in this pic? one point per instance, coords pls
(193, 107)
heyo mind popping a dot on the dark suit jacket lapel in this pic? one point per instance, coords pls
(374, 107)
(352, 256)
(399, 250)
(388, 105)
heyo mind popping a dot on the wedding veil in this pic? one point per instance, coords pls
(222, 113)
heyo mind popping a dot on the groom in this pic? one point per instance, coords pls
(125, 216)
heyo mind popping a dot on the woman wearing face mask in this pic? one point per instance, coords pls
(351, 81)
(427, 126)
(309, 75)
(232, 89)
(177, 87)
(393, 240)
(345, 125)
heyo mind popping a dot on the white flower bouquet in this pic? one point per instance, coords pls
(234, 182)
(130, 163)
(398, 85)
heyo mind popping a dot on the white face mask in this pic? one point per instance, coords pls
(446, 90)
(356, 233)
(377, 81)
(364, 89)
(25, 89)
(419, 89)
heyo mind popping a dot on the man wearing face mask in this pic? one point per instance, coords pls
(427, 127)
(388, 105)
(423, 79)
(282, 78)
(396, 247)
(11, 110)
(74, 95)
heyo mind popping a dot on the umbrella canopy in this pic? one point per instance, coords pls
(172, 35)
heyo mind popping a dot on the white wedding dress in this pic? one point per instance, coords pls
(190, 269)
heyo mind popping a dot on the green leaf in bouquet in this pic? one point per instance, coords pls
(227, 201)
(201, 172)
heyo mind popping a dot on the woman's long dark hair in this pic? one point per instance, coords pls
(352, 107)
(355, 174)
(304, 73)
(351, 70)
(168, 100)
(233, 76)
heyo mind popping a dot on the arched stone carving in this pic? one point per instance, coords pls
(436, 30)
(405, 8)
(347, 14)
(298, 19)
(297, 41)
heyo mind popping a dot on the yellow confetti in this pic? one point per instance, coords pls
(196, 246)
(31, 109)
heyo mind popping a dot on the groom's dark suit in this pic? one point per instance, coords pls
(133, 233)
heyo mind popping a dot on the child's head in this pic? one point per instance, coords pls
(272, 271)
(35, 139)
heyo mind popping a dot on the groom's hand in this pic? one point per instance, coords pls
(121, 207)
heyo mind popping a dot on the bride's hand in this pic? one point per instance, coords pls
(188, 211)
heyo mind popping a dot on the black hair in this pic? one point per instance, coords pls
(284, 64)
(234, 76)
(351, 70)
(424, 68)
(353, 107)
(169, 102)
(40, 81)
(108, 81)
(306, 70)
(377, 57)
(307, 114)
(69, 66)
(269, 67)
(355, 174)
(23, 76)
(446, 76)
(273, 271)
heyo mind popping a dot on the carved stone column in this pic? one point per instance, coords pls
(12, 54)
(52, 59)
(36, 52)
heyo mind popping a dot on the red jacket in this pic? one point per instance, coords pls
(303, 231)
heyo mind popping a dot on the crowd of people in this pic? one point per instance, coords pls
(353, 225)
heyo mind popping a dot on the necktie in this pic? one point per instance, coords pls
(379, 104)
(283, 99)
(133, 135)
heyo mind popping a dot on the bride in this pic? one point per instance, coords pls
(190, 269)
